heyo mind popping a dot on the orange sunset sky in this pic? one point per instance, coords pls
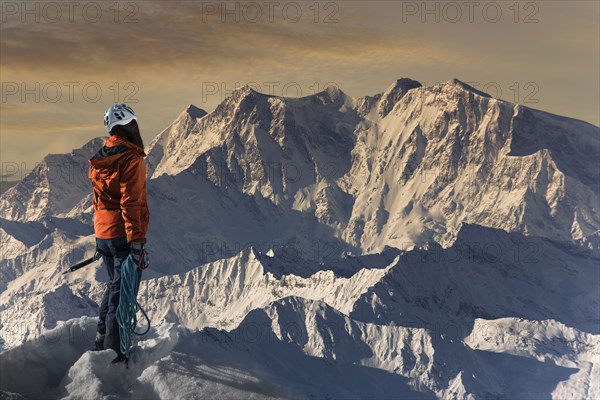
(62, 65)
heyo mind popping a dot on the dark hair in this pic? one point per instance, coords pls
(131, 132)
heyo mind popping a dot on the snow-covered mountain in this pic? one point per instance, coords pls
(423, 242)
(400, 168)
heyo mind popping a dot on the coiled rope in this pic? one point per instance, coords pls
(129, 306)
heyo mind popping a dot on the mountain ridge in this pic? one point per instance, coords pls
(431, 241)
(412, 176)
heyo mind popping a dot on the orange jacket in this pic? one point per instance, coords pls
(118, 176)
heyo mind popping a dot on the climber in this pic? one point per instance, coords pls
(118, 175)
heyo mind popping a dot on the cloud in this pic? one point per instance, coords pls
(169, 39)
(174, 48)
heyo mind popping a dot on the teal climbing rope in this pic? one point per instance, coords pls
(129, 306)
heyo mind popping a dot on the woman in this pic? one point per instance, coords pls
(118, 176)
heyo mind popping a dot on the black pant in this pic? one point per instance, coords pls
(107, 325)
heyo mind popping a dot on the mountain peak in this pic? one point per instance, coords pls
(467, 87)
(247, 89)
(332, 94)
(394, 93)
(243, 98)
(403, 84)
(244, 92)
(54, 186)
(195, 112)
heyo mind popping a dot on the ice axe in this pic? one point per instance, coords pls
(83, 263)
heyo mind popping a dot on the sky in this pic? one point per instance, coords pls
(63, 63)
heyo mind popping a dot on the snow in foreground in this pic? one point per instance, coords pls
(161, 366)
(419, 326)
(175, 363)
(299, 348)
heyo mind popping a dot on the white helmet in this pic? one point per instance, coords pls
(118, 114)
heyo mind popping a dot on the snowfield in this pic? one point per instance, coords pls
(425, 242)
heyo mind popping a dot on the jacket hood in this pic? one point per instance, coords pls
(117, 140)
(114, 148)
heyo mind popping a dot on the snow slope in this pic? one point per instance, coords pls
(423, 242)
(446, 323)
(292, 348)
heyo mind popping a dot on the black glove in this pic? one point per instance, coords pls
(139, 255)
